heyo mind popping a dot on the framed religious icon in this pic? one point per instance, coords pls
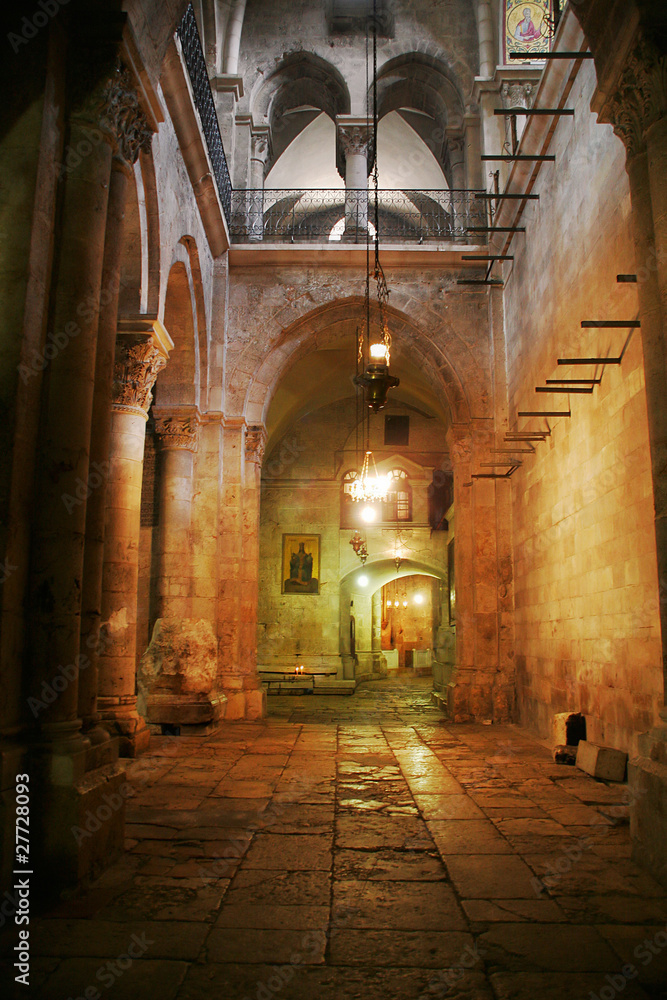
(451, 583)
(528, 29)
(301, 564)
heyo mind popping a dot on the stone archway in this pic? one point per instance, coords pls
(484, 679)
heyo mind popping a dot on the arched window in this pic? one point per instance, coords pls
(398, 505)
(347, 505)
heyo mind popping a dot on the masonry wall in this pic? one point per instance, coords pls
(587, 630)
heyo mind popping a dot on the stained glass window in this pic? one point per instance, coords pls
(528, 29)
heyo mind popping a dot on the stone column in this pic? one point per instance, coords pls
(178, 674)
(376, 623)
(58, 757)
(487, 49)
(140, 356)
(243, 450)
(259, 154)
(63, 475)
(637, 112)
(354, 142)
(177, 439)
(483, 682)
(227, 91)
(472, 139)
(134, 134)
(459, 210)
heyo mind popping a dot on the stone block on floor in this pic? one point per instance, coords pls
(605, 763)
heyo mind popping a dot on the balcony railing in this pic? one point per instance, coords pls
(201, 88)
(334, 214)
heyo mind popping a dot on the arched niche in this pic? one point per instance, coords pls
(179, 383)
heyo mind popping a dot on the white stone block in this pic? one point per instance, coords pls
(601, 762)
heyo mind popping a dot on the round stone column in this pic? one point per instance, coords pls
(63, 467)
(139, 359)
(260, 138)
(487, 49)
(176, 435)
(354, 143)
(133, 135)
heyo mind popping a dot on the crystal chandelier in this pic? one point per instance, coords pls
(370, 488)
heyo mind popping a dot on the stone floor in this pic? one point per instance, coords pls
(361, 848)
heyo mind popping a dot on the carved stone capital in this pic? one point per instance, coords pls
(137, 365)
(111, 106)
(177, 431)
(133, 132)
(355, 140)
(640, 100)
(261, 145)
(255, 443)
(517, 94)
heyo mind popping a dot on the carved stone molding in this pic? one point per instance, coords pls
(137, 365)
(255, 443)
(517, 94)
(177, 431)
(640, 99)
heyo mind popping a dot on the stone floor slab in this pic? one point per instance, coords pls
(144, 978)
(241, 945)
(397, 905)
(466, 835)
(389, 866)
(490, 876)
(540, 947)
(558, 986)
(291, 852)
(398, 949)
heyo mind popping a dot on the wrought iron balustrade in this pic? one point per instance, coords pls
(196, 66)
(332, 214)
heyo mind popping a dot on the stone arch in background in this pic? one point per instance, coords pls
(302, 87)
(427, 95)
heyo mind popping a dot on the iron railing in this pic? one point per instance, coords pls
(333, 214)
(196, 66)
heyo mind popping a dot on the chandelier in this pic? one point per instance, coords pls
(370, 488)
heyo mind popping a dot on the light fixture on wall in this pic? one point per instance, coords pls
(373, 349)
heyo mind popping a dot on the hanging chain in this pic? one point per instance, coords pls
(381, 281)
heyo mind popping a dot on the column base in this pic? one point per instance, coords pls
(244, 703)
(77, 817)
(183, 709)
(477, 696)
(124, 722)
(647, 782)
(103, 747)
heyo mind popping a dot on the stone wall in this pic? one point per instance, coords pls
(587, 627)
